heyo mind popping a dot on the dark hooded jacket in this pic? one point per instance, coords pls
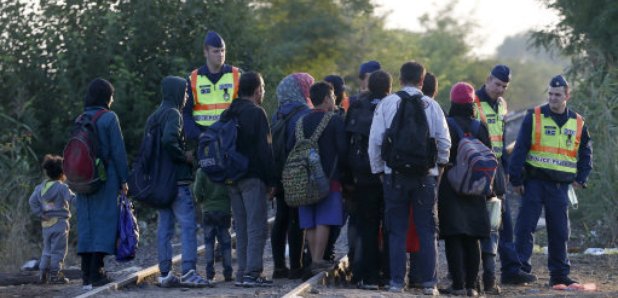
(168, 114)
(254, 139)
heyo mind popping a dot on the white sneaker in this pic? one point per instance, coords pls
(87, 287)
(433, 291)
(168, 281)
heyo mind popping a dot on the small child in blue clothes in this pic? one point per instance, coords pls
(50, 202)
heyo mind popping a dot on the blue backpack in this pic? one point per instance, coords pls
(128, 232)
(217, 152)
(476, 164)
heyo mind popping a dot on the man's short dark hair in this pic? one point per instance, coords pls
(319, 91)
(430, 85)
(380, 83)
(249, 81)
(412, 73)
(52, 164)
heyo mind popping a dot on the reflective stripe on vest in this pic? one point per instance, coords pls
(210, 100)
(494, 122)
(554, 148)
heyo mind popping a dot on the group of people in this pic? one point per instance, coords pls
(389, 212)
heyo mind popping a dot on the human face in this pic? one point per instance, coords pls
(495, 88)
(557, 98)
(260, 92)
(184, 100)
(215, 57)
(329, 101)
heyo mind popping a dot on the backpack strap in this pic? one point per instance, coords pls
(323, 123)
(453, 123)
(98, 115)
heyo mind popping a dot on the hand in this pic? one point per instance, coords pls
(577, 185)
(271, 193)
(189, 156)
(124, 188)
(519, 190)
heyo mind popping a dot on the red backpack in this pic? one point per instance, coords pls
(85, 172)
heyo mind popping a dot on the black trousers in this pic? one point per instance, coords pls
(463, 254)
(286, 227)
(369, 220)
(92, 267)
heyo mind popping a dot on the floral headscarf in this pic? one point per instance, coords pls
(295, 88)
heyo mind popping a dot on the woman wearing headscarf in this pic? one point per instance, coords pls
(463, 218)
(97, 213)
(293, 99)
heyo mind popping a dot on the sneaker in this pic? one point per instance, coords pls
(42, 277)
(369, 286)
(194, 280)
(168, 281)
(518, 278)
(238, 283)
(460, 292)
(395, 289)
(490, 287)
(561, 281)
(281, 273)
(249, 281)
(473, 293)
(87, 287)
(57, 277)
(433, 291)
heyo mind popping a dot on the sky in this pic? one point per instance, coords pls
(496, 19)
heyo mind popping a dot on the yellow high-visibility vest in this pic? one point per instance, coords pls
(555, 148)
(209, 99)
(494, 121)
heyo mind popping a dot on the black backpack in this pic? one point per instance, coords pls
(153, 177)
(279, 140)
(358, 125)
(408, 148)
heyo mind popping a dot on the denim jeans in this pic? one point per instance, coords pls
(217, 225)
(248, 198)
(401, 193)
(183, 211)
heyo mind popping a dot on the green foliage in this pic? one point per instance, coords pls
(588, 31)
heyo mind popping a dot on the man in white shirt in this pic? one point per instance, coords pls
(402, 191)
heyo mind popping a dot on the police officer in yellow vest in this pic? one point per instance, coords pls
(554, 149)
(491, 109)
(213, 87)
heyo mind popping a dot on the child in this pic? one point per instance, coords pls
(217, 222)
(50, 201)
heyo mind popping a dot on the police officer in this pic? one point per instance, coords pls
(554, 149)
(213, 87)
(492, 108)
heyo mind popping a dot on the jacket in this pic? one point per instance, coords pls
(462, 214)
(524, 141)
(51, 199)
(172, 139)
(254, 139)
(383, 117)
